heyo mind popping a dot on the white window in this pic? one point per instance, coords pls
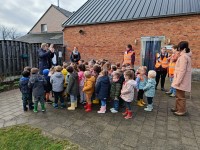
(43, 27)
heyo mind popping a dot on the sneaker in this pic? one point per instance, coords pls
(168, 92)
(172, 95)
(148, 108)
(49, 102)
(111, 109)
(43, 110)
(114, 111)
(55, 106)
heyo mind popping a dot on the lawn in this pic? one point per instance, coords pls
(27, 138)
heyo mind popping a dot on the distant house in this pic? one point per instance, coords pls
(48, 29)
(102, 28)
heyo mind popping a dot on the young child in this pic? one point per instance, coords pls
(103, 90)
(115, 91)
(37, 83)
(149, 89)
(51, 72)
(57, 81)
(48, 88)
(72, 87)
(81, 79)
(127, 92)
(171, 69)
(64, 72)
(141, 82)
(25, 90)
(88, 89)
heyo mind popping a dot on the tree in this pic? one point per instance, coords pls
(8, 33)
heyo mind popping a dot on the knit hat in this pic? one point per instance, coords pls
(45, 72)
(34, 70)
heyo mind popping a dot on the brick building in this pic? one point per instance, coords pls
(102, 28)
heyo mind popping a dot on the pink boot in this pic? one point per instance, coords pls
(102, 110)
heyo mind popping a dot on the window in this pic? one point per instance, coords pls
(43, 27)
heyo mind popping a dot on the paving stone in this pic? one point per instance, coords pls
(10, 123)
(189, 141)
(67, 133)
(106, 134)
(79, 122)
(1, 124)
(58, 130)
(173, 127)
(110, 128)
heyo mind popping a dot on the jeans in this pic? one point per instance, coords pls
(172, 90)
(73, 98)
(58, 95)
(82, 94)
(27, 99)
(103, 102)
(128, 105)
(140, 95)
(161, 74)
(150, 100)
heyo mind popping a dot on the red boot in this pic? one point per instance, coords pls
(89, 108)
(129, 116)
(86, 105)
(125, 113)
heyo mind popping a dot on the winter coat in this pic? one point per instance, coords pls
(44, 59)
(37, 83)
(23, 85)
(72, 87)
(149, 89)
(48, 87)
(127, 92)
(81, 78)
(115, 90)
(89, 85)
(183, 73)
(57, 81)
(141, 84)
(75, 57)
(64, 72)
(102, 88)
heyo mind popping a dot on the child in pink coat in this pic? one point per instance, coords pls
(81, 80)
(127, 92)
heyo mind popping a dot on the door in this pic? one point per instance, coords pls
(150, 46)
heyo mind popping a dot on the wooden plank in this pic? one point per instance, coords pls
(4, 58)
(1, 59)
(13, 58)
(30, 55)
(20, 53)
(18, 56)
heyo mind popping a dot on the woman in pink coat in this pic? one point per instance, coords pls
(182, 78)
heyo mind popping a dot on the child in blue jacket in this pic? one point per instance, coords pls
(102, 90)
(149, 89)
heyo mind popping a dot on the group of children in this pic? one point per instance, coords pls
(87, 81)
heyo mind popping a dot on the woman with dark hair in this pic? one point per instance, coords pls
(75, 55)
(129, 56)
(182, 78)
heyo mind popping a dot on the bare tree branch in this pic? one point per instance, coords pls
(8, 33)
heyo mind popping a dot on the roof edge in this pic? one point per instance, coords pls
(56, 7)
(125, 20)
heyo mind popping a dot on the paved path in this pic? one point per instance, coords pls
(157, 130)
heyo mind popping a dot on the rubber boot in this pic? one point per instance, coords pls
(86, 105)
(43, 107)
(35, 107)
(129, 116)
(102, 110)
(142, 102)
(125, 113)
(72, 107)
(96, 101)
(89, 108)
(139, 103)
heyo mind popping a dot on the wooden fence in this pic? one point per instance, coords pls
(15, 55)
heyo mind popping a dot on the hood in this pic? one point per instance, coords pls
(58, 74)
(45, 72)
(152, 81)
(189, 54)
(104, 79)
(132, 82)
(92, 78)
(24, 79)
(64, 72)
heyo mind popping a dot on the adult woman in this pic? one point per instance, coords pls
(129, 56)
(161, 67)
(182, 78)
(45, 56)
(75, 55)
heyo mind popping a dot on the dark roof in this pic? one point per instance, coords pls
(54, 38)
(63, 11)
(103, 11)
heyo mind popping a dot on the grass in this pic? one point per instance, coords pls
(27, 138)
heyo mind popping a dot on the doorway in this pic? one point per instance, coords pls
(150, 46)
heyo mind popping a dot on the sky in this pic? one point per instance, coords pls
(22, 15)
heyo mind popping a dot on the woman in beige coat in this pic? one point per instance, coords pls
(182, 78)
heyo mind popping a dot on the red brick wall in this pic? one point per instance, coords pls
(109, 40)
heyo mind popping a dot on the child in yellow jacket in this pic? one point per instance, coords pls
(88, 88)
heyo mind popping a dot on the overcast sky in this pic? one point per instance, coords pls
(24, 14)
